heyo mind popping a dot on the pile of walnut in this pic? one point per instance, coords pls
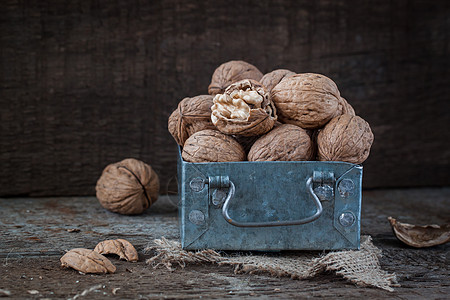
(279, 116)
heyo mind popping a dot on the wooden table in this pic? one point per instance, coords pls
(35, 232)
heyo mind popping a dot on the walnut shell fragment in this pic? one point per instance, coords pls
(284, 143)
(120, 247)
(128, 187)
(212, 146)
(273, 78)
(420, 236)
(307, 100)
(192, 115)
(345, 138)
(243, 109)
(231, 72)
(87, 261)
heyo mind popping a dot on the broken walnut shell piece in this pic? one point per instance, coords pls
(128, 187)
(243, 109)
(230, 72)
(345, 138)
(87, 261)
(271, 79)
(123, 248)
(307, 100)
(286, 142)
(420, 236)
(212, 146)
(192, 115)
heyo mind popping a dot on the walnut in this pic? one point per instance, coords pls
(420, 236)
(307, 100)
(231, 72)
(273, 78)
(87, 261)
(192, 115)
(243, 109)
(128, 187)
(284, 143)
(345, 108)
(345, 138)
(120, 247)
(212, 146)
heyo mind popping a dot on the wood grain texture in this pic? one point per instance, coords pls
(86, 83)
(32, 244)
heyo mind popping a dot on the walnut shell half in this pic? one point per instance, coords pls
(345, 138)
(243, 109)
(123, 248)
(127, 187)
(420, 236)
(212, 146)
(87, 261)
(230, 72)
(192, 115)
(273, 78)
(284, 143)
(307, 100)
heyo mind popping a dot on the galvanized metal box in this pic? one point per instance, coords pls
(269, 206)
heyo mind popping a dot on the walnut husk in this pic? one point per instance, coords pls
(271, 79)
(230, 72)
(128, 187)
(123, 248)
(192, 115)
(259, 118)
(307, 100)
(345, 138)
(212, 146)
(420, 236)
(87, 261)
(286, 142)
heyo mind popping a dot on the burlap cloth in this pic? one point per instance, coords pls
(360, 267)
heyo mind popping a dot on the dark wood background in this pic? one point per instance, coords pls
(87, 83)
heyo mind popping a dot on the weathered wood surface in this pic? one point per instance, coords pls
(34, 236)
(84, 84)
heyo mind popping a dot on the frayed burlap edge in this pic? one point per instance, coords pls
(360, 267)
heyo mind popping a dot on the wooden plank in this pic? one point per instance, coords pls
(34, 236)
(83, 85)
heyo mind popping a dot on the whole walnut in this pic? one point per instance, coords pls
(307, 100)
(243, 109)
(273, 78)
(284, 143)
(192, 115)
(345, 138)
(230, 72)
(345, 108)
(128, 187)
(212, 146)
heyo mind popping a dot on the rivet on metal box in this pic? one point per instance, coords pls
(269, 206)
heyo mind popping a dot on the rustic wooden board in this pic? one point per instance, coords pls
(34, 235)
(84, 84)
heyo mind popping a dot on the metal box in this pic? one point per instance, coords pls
(269, 206)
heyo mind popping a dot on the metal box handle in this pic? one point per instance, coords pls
(309, 186)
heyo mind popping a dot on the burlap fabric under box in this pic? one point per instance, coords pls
(361, 267)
